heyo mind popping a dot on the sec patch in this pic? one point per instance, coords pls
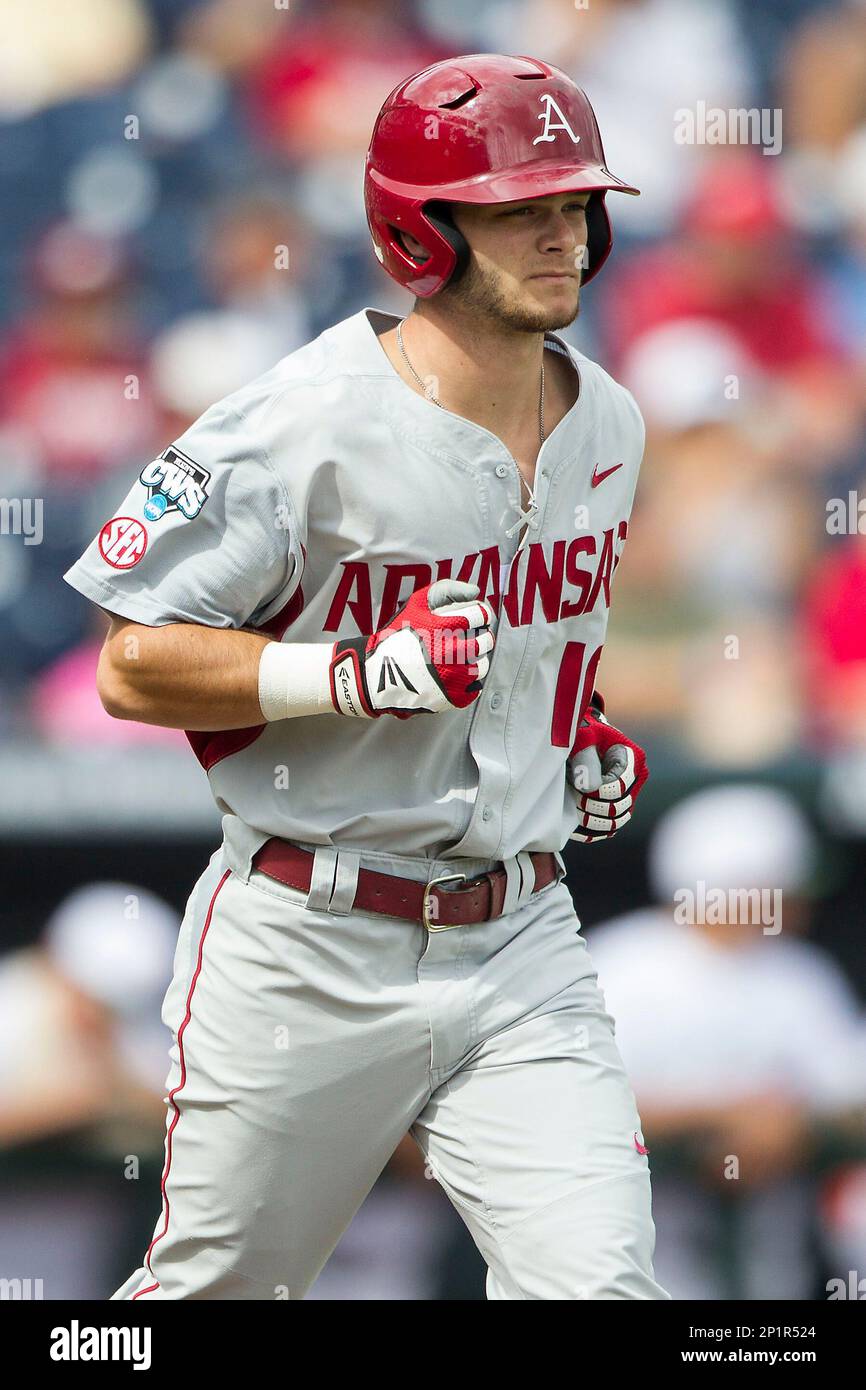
(122, 542)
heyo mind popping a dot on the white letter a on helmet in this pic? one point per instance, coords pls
(549, 124)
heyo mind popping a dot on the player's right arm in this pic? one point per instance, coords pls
(431, 656)
(204, 552)
(181, 675)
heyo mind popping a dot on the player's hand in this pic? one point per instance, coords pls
(606, 771)
(432, 655)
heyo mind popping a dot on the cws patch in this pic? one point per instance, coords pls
(174, 483)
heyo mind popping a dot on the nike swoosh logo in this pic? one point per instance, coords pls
(600, 477)
(641, 1148)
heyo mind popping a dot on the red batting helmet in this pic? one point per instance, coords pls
(484, 128)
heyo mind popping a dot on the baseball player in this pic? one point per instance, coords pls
(373, 586)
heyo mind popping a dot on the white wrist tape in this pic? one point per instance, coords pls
(294, 679)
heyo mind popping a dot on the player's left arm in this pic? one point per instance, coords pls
(606, 771)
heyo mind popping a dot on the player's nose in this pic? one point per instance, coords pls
(564, 233)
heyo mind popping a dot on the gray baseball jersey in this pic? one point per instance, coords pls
(309, 505)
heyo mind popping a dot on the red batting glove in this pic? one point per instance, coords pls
(606, 770)
(433, 655)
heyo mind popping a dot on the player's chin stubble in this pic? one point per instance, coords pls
(480, 292)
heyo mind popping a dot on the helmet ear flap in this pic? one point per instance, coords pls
(439, 215)
(598, 236)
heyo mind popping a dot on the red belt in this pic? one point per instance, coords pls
(437, 908)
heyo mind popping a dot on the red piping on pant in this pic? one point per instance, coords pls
(168, 1139)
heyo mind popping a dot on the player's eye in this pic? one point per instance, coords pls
(522, 212)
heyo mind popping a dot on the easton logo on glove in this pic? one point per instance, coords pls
(392, 675)
(432, 655)
(606, 771)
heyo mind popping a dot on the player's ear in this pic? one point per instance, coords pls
(412, 246)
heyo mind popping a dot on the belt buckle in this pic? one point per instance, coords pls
(425, 903)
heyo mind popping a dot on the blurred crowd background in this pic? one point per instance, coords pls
(181, 184)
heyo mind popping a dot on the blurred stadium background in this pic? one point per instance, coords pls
(182, 205)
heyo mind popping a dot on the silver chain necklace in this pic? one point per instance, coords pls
(430, 397)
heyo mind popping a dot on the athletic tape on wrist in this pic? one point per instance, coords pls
(294, 679)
